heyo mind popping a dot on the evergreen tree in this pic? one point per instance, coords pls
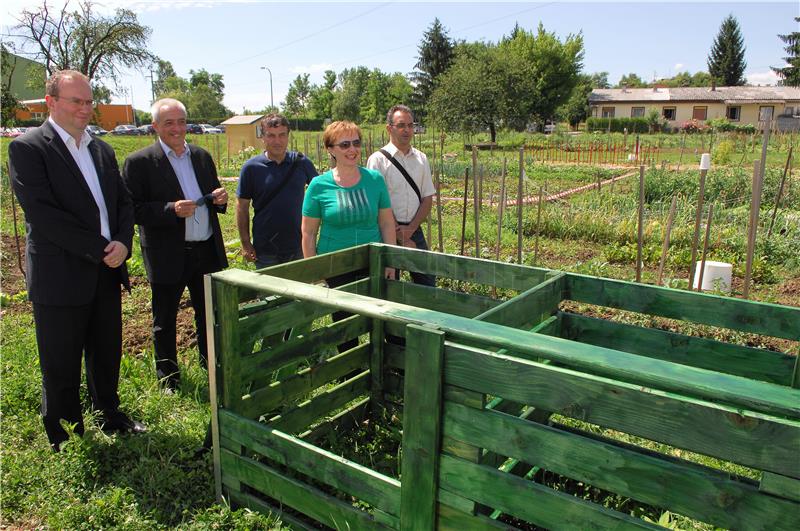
(435, 57)
(726, 61)
(790, 74)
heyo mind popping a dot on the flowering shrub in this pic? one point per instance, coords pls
(694, 126)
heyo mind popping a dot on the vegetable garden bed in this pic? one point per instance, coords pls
(494, 391)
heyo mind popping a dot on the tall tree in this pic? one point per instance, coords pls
(164, 71)
(297, 97)
(203, 78)
(600, 80)
(83, 40)
(576, 108)
(435, 55)
(8, 102)
(321, 97)
(347, 100)
(631, 80)
(790, 74)
(726, 61)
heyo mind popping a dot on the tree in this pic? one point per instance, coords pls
(321, 97)
(82, 40)
(202, 78)
(164, 71)
(8, 102)
(576, 109)
(435, 55)
(347, 100)
(297, 97)
(631, 81)
(790, 74)
(726, 61)
(599, 80)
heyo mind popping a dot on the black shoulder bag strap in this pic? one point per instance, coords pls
(283, 184)
(402, 170)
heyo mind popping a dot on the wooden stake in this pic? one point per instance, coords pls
(640, 233)
(683, 143)
(780, 191)
(538, 221)
(755, 205)
(439, 208)
(519, 207)
(697, 215)
(476, 204)
(464, 210)
(501, 203)
(667, 233)
(705, 248)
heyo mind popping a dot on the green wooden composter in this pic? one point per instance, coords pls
(516, 408)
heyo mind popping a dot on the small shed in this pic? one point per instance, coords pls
(243, 131)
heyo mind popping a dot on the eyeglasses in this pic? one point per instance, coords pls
(77, 101)
(403, 126)
(345, 144)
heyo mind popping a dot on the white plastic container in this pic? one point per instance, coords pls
(716, 276)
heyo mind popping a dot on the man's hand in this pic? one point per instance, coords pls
(404, 235)
(248, 251)
(220, 196)
(116, 252)
(184, 208)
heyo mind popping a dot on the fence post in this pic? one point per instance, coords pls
(780, 191)
(755, 206)
(641, 226)
(698, 214)
(519, 206)
(476, 208)
(422, 419)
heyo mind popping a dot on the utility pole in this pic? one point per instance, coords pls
(152, 87)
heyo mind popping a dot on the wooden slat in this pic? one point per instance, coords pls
(451, 519)
(783, 487)
(438, 299)
(476, 270)
(325, 403)
(317, 268)
(227, 340)
(296, 494)
(328, 468)
(277, 394)
(530, 501)
(342, 421)
(377, 335)
(421, 427)
(685, 488)
(259, 366)
(753, 363)
(530, 307)
(253, 503)
(741, 436)
(747, 316)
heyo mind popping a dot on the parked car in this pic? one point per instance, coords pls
(125, 129)
(96, 130)
(146, 129)
(209, 129)
(221, 128)
(11, 132)
(194, 129)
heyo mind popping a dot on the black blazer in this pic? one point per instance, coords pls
(64, 250)
(154, 187)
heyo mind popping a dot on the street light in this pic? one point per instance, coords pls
(271, 100)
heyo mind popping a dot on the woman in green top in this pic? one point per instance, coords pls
(348, 205)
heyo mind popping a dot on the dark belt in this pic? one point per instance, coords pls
(189, 245)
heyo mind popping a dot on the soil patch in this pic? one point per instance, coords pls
(12, 279)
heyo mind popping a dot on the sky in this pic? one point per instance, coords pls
(241, 39)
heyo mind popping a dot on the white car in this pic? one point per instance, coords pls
(209, 129)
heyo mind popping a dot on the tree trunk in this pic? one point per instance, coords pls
(492, 131)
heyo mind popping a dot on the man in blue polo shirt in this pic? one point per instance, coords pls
(274, 182)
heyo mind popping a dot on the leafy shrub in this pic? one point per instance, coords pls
(618, 125)
(723, 152)
(722, 125)
(694, 126)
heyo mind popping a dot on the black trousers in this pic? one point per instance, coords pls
(199, 259)
(421, 278)
(65, 335)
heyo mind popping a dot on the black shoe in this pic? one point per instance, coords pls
(122, 423)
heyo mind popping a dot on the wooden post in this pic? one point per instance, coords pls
(698, 214)
(501, 203)
(640, 232)
(464, 210)
(764, 145)
(519, 206)
(319, 156)
(538, 225)
(683, 143)
(755, 206)
(780, 191)
(705, 248)
(665, 246)
(476, 212)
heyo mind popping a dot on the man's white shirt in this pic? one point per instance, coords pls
(404, 201)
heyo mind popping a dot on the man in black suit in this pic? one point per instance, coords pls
(79, 221)
(176, 198)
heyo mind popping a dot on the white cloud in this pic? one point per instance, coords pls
(312, 69)
(677, 66)
(762, 78)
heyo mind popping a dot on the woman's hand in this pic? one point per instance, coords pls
(389, 273)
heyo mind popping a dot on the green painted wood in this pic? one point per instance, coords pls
(738, 314)
(317, 268)
(530, 501)
(300, 417)
(438, 299)
(343, 421)
(451, 519)
(783, 487)
(298, 495)
(394, 356)
(666, 376)
(697, 492)
(530, 307)
(266, 399)
(249, 501)
(377, 336)
(297, 313)
(748, 362)
(260, 366)
(227, 340)
(550, 326)
(741, 436)
(328, 468)
(421, 427)
(476, 270)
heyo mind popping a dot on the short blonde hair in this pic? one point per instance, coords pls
(338, 128)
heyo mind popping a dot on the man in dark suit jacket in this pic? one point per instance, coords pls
(79, 221)
(176, 197)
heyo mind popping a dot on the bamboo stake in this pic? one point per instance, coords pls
(476, 201)
(755, 205)
(501, 203)
(665, 246)
(538, 220)
(780, 191)
(705, 248)
(640, 232)
(14, 214)
(698, 214)
(519, 207)
(439, 191)
(464, 210)
(683, 143)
